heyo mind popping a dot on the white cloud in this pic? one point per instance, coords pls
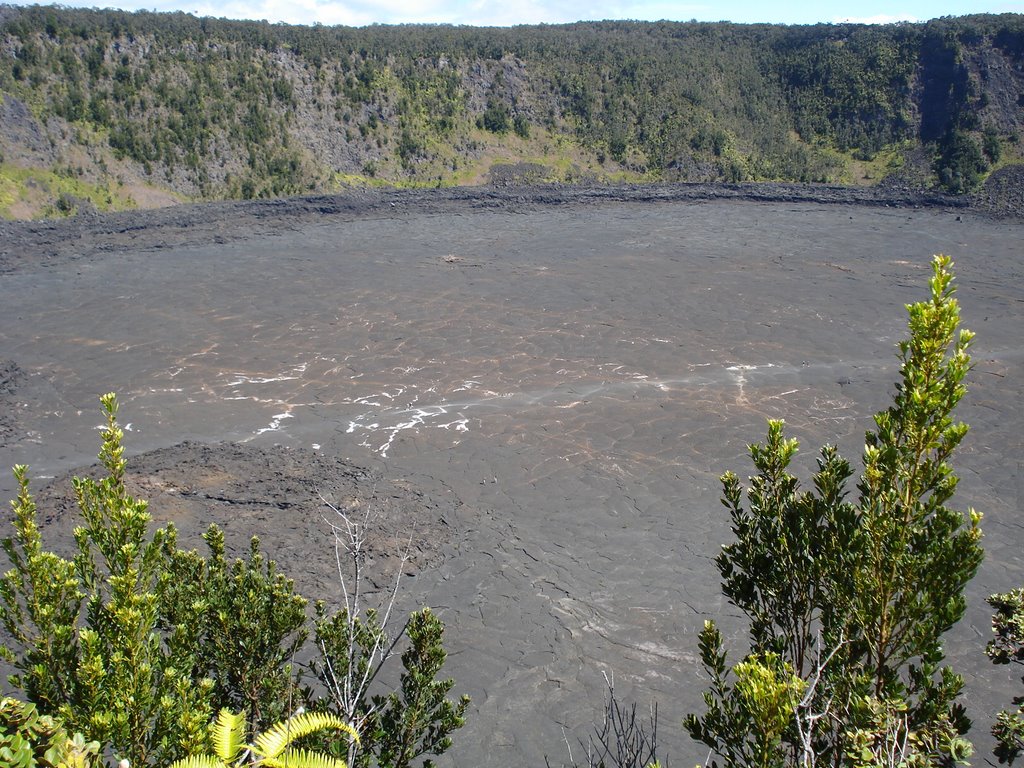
(498, 14)
(469, 12)
(291, 12)
(511, 12)
(363, 12)
(878, 18)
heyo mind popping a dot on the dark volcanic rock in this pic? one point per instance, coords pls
(1003, 193)
(548, 383)
(53, 242)
(11, 376)
(282, 495)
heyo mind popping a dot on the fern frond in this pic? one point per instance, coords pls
(199, 761)
(272, 742)
(304, 758)
(229, 735)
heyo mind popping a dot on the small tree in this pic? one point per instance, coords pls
(133, 641)
(354, 644)
(112, 678)
(241, 623)
(852, 599)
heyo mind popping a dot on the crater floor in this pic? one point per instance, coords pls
(561, 385)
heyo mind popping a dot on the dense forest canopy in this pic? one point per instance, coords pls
(211, 108)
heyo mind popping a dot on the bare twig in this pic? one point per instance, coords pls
(349, 690)
(622, 740)
(806, 718)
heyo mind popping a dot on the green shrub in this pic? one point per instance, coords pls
(521, 126)
(354, 645)
(417, 719)
(135, 642)
(852, 598)
(109, 674)
(31, 740)
(496, 118)
(167, 635)
(406, 724)
(960, 163)
(240, 623)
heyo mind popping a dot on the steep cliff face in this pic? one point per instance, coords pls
(998, 69)
(111, 109)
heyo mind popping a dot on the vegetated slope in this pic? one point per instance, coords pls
(143, 108)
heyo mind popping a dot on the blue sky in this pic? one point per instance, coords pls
(508, 12)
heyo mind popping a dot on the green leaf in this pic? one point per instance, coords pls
(229, 735)
(199, 761)
(272, 743)
(301, 758)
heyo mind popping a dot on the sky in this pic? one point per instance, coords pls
(510, 12)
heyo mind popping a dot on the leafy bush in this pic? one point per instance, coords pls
(135, 642)
(31, 740)
(108, 676)
(960, 163)
(521, 126)
(991, 145)
(240, 624)
(496, 118)
(399, 727)
(848, 601)
(354, 644)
